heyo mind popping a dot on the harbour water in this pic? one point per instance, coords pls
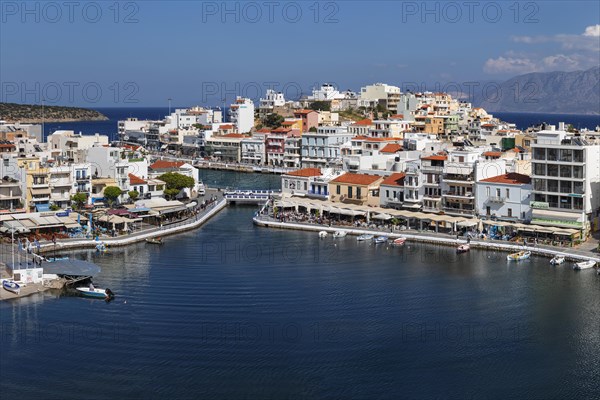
(236, 311)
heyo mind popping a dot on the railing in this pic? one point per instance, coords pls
(457, 194)
(496, 199)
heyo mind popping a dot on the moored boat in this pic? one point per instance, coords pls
(96, 293)
(380, 239)
(557, 260)
(399, 241)
(584, 264)
(323, 234)
(154, 240)
(339, 234)
(364, 237)
(521, 255)
(463, 248)
(101, 248)
(11, 286)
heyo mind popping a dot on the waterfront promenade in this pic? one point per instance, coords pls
(573, 254)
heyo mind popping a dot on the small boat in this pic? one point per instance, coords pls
(364, 237)
(154, 240)
(323, 234)
(557, 260)
(96, 293)
(380, 239)
(463, 248)
(101, 248)
(11, 286)
(339, 234)
(399, 241)
(521, 255)
(584, 264)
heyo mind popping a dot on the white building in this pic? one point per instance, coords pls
(379, 93)
(241, 113)
(327, 92)
(68, 146)
(566, 180)
(322, 148)
(254, 150)
(504, 197)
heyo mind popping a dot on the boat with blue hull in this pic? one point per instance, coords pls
(11, 286)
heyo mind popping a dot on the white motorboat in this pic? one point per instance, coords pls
(339, 234)
(323, 234)
(584, 264)
(365, 237)
(11, 286)
(521, 255)
(96, 293)
(463, 248)
(557, 260)
(380, 239)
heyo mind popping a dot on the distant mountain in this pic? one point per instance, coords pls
(27, 113)
(576, 92)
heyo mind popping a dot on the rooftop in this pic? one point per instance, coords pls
(511, 178)
(396, 179)
(306, 172)
(357, 179)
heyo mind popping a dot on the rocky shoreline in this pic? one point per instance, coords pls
(33, 114)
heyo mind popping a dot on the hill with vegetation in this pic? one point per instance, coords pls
(28, 113)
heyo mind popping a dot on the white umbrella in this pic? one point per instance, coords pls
(383, 216)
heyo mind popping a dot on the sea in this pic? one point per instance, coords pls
(236, 311)
(110, 126)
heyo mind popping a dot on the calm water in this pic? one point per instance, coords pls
(236, 311)
(110, 128)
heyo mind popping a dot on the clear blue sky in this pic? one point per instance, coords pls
(200, 52)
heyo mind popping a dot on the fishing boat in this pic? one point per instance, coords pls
(154, 240)
(11, 286)
(521, 255)
(557, 260)
(323, 234)
(584, 264)
(365, 237)
(463, 248)
(399, 241)
(339, 234)
(96, 293)
(380, 239)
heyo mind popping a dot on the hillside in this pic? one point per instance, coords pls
(576, 92)
(27, 113)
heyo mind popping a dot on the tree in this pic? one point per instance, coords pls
(273, 120)
(320, 106)
(171, 193)
(133, 195)
(54, 207)
(79, 198)
(312, 129)
(112, 193)
(175, 183)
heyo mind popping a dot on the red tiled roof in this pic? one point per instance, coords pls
(264, 130)
(136, 180)
(356, 179)
(163, 164)
(360, 138)
(396, 179)
(391, 148)
(511, 178)
(363, 122)
(234, 135)
(496, 154)
(225, 127)
(281, 130)
(306, 172)
(435, 158)
(289, 122)
(516, 150)
(397, 116)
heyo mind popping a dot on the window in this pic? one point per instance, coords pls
(349, 192)
(358, 193)
(338, 189)
(507, 193)
(565, 171)
(285, 183)
(488, 211)
(510, 212)
(487, 191)
(497, 192)
(387, 193)
(552, 170)
(539, 169)
(305, 186)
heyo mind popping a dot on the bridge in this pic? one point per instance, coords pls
(249, 196)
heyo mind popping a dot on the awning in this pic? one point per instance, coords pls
(382, 217)
(41, 207)
(467, 224)
(556, 214)
(496, 223)
(42, 191)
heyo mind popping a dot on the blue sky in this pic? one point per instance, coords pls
(142, 53)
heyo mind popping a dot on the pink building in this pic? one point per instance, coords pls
(310, 119)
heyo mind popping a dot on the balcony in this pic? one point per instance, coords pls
(496, 199)
(434, 197)
(461, 195)
(459, 179)
(316, 195)
(432, 169)
(458, 211)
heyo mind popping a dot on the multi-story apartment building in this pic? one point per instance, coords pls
(61, 185)
(292, 151)
(322, 148)
(380, 93)
(458, 183)
(241, 113)
(68, 146)
(226, 148)
(269, 103)
(413, 185)
(391, 191)
(253, 149)
(432, 169)
(275, 146)
(566, 180)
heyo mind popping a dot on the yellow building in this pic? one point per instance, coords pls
(434, 125)
(360, 189)
(37, 183)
